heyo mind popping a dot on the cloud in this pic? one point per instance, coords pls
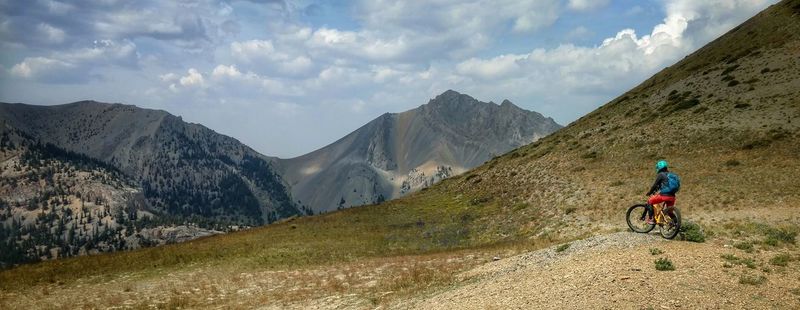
(193, 78)
(76, 66)
(587, 5)
(363, 44)
(578, 32)
(262, 56)
(187, 24)
(413, 31)
(50, 34)
(497, 67)
(38, 67)
(550, 76)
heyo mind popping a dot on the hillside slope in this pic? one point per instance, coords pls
(186, 171)
(399, 153)
(55, 203)
(735, 145)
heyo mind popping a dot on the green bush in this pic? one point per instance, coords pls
(781, 259)
(656, 251)
(691, 231)
(664, 264)
(775, 236)
(749, 262)
(562, 248)
(744, 246)
(752, 279)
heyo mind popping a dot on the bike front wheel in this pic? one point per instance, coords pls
(636, 219)
(672, 226)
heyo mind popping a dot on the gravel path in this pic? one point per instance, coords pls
(616, 271)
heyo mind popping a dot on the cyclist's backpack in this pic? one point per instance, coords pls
(672, 185)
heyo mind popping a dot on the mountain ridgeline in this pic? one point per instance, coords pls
(398, 153)
(187, 172)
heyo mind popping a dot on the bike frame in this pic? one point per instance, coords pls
(660, 217)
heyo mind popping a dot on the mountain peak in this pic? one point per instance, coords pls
(451, 99)
(507, 103)
(450, 93)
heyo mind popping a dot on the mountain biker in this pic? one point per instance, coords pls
(663, 190)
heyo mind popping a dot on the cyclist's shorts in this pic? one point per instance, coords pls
(670, 200)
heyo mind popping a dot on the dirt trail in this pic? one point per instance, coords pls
(618, 271)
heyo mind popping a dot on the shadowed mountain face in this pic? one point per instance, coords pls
(186, 171)
(399, 153)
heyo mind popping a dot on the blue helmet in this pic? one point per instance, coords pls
(661, 164)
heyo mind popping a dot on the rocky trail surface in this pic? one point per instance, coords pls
(617, 271)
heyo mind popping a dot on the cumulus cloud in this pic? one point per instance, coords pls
(551, 75)
(35, 67)
(192, 78)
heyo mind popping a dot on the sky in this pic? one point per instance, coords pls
(289, 76)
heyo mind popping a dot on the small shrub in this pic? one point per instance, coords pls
(664, 264)
(733, 259)
(776, 236)
(729, 69)
(590, 155)
(570, 210)
(562, 248)
(692, 232)
(656, 251)
(733, 83)
(781, 259)
(752, 279)
(751, 81)
(686, 104)
(617, 183)
(732, 163)
(744, 246)
(765, 70)
(748, 262)
(730, 257)
(795, 291)
(741, 106)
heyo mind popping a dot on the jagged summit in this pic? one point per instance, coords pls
(398, 153)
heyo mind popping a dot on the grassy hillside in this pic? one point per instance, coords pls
(735, 145)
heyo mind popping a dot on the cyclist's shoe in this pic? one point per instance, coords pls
(650, 221)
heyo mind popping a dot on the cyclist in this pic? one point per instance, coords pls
(664, 189)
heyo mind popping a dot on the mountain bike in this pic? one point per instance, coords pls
(668, 225)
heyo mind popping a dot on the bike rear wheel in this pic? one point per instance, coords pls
(672, 227)
(636, 219)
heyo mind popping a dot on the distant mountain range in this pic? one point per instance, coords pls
(91, 176)
(185, 170)
(398, 153)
